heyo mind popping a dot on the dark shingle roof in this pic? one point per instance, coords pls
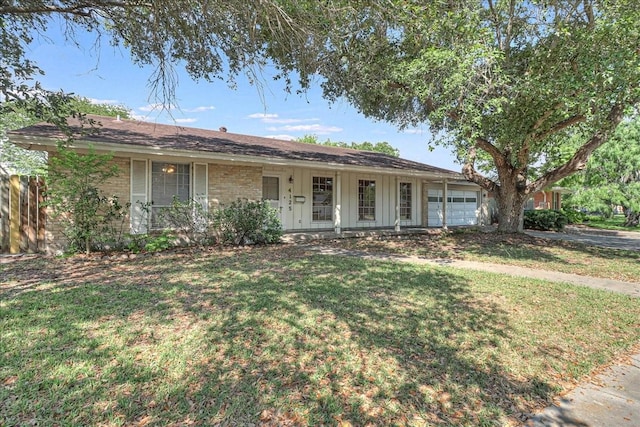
(169, 137)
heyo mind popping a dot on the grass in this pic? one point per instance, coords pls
(279, 336)
(616, 223)
(518, 250)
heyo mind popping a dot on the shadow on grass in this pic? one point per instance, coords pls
(254, 338)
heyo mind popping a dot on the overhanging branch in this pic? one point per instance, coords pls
(579, 159)
(78, 9)
(471, 174)
(560, 126)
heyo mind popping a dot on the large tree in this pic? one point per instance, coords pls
(504, 82)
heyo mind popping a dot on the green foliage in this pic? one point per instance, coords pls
(574, 216)
(545, 220)
(162, 242)
(17, 160)
(136, 243)
(612, 175)
(245, 221)
(189, 218)
(227, 38)
(89, 217)
(86, 106)
(504, 83)
(378, 147)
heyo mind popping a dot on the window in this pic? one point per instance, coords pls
(529, 205)
(366, 200)
(322, 199)
(270, 188)
(168, 181)
(405, 200)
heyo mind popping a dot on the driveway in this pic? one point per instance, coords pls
(628, 240)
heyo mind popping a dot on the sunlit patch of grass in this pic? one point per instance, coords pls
(281, 336)
(520, 250)
(615, 223)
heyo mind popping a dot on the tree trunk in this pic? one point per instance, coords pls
(510, 205)
(633, 218)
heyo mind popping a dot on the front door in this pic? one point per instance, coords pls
(271, 193)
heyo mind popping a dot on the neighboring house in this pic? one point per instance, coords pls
(550, 198)
(313, 187)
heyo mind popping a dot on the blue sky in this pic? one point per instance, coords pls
(107, 74)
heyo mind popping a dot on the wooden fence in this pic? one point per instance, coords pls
(22, 214)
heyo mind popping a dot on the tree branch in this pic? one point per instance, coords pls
(560, 125)
(79, 9)
(579, 159)
(472, 175)
(497, 156)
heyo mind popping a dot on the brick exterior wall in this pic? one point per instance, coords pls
(552, 200)
(227, 183)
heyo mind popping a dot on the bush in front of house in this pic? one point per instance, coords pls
(545, 220)
(240, 223)
(247, 222)
(90, 219)
(574, 216)
(189, 219)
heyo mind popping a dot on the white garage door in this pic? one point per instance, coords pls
(462, 208)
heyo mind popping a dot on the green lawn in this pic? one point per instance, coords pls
(614, 223)
(278, 336)
(519, 250)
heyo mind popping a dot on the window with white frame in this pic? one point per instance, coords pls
(405, 201)
(322, 205)
(169, 182)
(366, 200)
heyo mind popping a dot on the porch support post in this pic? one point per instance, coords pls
(445, 190)
(397, 193)
(337, 220)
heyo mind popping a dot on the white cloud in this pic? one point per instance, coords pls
(201, 109)
(157, 107)
(189, 120)
(275, 119)
(262, 116)
(287, 121)
(413, 131)
(315, 128)
(282, 136)
(104, 101)
(140, 117)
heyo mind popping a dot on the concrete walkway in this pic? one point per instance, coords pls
(611, 399)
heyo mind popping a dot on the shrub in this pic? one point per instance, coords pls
(90, 219)
(161, 242)
(574, 216)
(246, 221)
(189, 218)
(545, 220)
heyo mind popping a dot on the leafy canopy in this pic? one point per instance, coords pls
(211, 39)
(612, 175)
(17, 160)
(378, 147)
(504, 82)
